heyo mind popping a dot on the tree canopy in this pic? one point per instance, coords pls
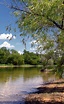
(33, 15)
(44, 21)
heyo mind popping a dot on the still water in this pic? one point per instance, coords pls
(16, 83)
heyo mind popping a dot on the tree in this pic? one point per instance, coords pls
(4, 53)
(37, 14)
(31, 58)
(44, 20)
(15, 58)
(10, 57)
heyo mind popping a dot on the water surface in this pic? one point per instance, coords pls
(16, 83)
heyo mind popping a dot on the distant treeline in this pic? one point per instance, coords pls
(13, 57)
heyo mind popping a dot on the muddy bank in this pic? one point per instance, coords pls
(49, 93)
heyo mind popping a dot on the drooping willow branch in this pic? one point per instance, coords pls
(60, 26)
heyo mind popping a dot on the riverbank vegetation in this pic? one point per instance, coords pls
(46, 61)
(12, 57)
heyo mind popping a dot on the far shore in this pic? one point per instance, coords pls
(4, 66)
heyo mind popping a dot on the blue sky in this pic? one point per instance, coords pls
(7, 18)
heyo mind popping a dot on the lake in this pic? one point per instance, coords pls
(17, 83)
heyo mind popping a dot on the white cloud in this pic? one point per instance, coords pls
(7, 36)
(7, 45)
(20, 52)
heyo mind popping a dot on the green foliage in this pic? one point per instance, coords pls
(10, 57)
(4, 55)
(45, 18)
(31, 58)
(13, 57)
(34, 15)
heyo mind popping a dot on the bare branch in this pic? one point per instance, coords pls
(17, 8)
(24, 3)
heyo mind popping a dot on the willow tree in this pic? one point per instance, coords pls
(44, 21)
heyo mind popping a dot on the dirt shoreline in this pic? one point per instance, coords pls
(49, 93)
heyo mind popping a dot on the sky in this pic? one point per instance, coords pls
(7, 18)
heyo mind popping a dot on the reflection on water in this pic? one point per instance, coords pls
(15, 83)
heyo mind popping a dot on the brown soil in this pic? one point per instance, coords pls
(50, 93)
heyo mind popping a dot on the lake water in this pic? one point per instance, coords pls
(16, 83)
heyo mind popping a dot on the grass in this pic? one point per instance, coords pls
(26, 65)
